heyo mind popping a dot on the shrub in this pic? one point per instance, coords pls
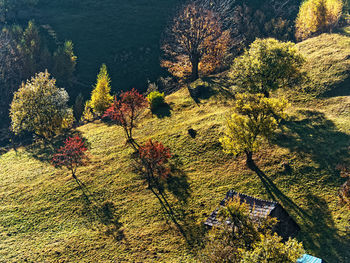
(40, 107)
(317, 16)
(156, 99)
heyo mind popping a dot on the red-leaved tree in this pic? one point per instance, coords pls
(71, 155)
(154, 165)
(155, 157)
(125, 111)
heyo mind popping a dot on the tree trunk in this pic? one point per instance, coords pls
(250, 163)
(194, 73)
(266, 93)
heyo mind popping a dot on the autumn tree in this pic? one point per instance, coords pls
(271, 249)
(153, 163)
(101, 98)
(25, 52)
(72, 155)
(126, 111)
(248, 20)
(40, 107)
(195, 43)
(317, 16)
(268, 65)
(253, 120)
(155, 157)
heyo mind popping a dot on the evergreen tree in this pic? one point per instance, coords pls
(101, 98)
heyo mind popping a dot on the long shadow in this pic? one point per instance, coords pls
(177, 213)
(222, 86)
(201, 92)
(319, 233)
(318, 230)
(207, 87)
(341, 89)
(185, 221)
(317, 137)
(177, 184)
(105, 213)
(276, 194)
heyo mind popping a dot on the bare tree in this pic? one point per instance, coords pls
(194, 43)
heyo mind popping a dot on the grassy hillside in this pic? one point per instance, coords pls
(328, 64)
(44, 215)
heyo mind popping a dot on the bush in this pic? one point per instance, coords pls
(40, 107)
(156, 99)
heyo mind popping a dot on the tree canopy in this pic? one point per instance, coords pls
(40, 107)
(247, 240)
(317, 16)
(268, 65)
(253, 120)
(195, 43)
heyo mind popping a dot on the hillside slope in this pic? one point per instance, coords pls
(328, 64)
(44, 215)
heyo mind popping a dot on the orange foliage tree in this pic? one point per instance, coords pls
(195, 43)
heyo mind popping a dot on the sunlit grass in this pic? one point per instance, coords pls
(44, 216)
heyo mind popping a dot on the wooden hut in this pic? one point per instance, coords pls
(286, 226)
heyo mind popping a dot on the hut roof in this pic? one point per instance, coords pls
(259, 208)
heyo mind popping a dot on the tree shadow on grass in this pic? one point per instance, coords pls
(162, 111)
(177, 184)
(104, 212)
(44, 150)
(173, 193)
(208, 87)
(316, 136)
(319, 233)
(276, 194)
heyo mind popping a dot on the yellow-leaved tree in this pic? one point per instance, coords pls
(101, 98)
(317, 16)
(253, 120)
